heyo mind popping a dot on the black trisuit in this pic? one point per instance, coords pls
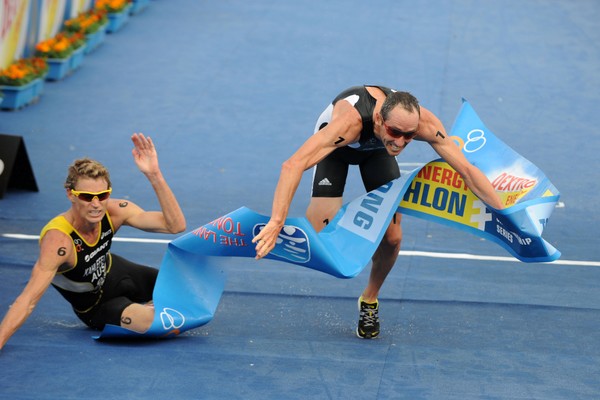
(100, 285)
(377, 167)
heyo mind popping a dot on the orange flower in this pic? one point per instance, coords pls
(61, 45)
(43, 47)
(23, 71)
(111, 5)
(87, 22)
(15, 72)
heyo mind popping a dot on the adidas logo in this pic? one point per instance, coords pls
(325, 182)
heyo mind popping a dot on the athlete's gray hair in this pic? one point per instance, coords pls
(403, 99)
(86, 168)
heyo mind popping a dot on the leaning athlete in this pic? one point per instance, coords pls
(75, 256)
(366, 126)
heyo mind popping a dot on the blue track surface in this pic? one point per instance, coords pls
(228, 90)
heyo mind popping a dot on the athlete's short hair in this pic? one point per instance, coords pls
(403, 99)
(86, 168)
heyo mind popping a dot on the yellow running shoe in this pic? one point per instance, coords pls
(368, 319)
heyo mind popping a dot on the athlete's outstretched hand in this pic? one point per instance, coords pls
(144, 153)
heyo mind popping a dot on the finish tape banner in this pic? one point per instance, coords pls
(438, 193)
(191, 277)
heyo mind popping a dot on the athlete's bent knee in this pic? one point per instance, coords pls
(137, 317)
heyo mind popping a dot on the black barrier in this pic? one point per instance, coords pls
(15, 169)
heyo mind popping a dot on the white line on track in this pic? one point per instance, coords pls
(403, 253)
(465, 256)
(119, 239)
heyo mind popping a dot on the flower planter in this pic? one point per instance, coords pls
(95, 39)
(16, 97)
(117, 20)
(38, 88)
(58, 68)
(77, 58)
(138, 5)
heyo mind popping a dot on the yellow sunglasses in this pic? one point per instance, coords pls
(89, 196)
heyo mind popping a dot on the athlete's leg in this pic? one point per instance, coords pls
(138, 317)
(378, 170)
(329, 179)
(138, 285)
(120, 311)
(321, 211)
(384, 259)
(127, 297)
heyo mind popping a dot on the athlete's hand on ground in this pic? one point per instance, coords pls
(266, 239)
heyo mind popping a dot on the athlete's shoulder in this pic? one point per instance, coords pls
(383, 89)
(58, 223)
(351, 94)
